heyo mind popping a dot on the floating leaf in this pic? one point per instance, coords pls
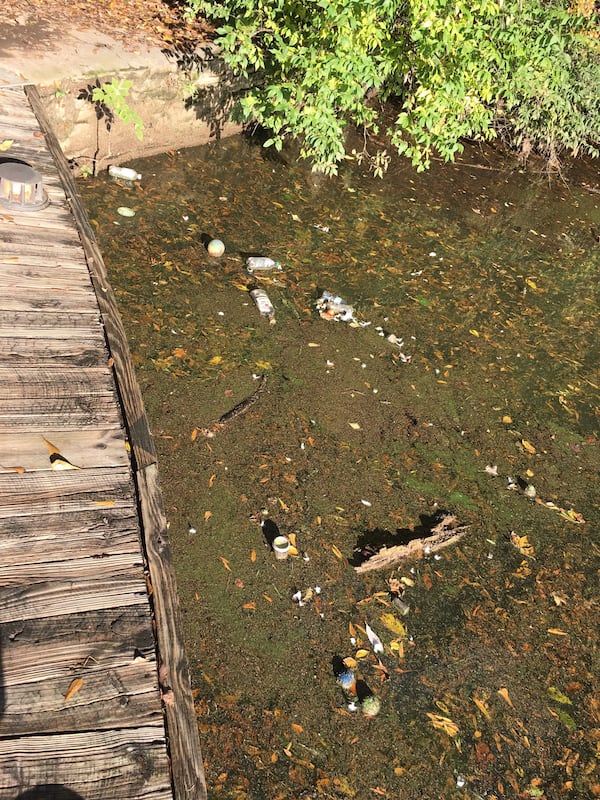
(249, 606)
(215, 360)
(443, 724)
(505, 696)
(393, 624)
(253, 556)
(473, 332)
(482, 706)
(297, 728)
(336, 551)
(74, 687)
(506, 419)
(559, 696)
(362, 653)
(566, 719)
(528, 446)
(354, 425)
(225, 563)
(557, 632)
(522, 544)
(350, 662)
(207, 515)
(194, 435)
(263, 365)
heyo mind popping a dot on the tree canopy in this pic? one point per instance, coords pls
(524, 70)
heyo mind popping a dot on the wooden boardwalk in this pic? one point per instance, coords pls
(95, 702)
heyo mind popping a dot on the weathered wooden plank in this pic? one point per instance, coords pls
(89, 449)
(92, 533)
(59, 239)
(50, 276)
(120, 697)
(62, 261)
(38, 600)
(79, 349)
(51, 492)
(23, 299)
(108, 638)
(143, 447)
(17, 383)
(182, 726)
(18, 415)
(96, 765)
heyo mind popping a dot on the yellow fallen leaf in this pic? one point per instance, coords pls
(350, 662)
(482, 707)
(473, 332)
(215, 360)
(207, 515)
(444, 724)
(74, 687)
(393, 624)
(225, 563)
(313, 344)
(530, 283)
(6, 145)
(505, 696)
(558, 632)
(253, 556)
(522, 544)
(528, 446)
(362, 653)
(194, 435)
(354, 425)
(336, 552)
(506, 419)
(263, 364)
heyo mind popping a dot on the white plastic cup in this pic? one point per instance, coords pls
(281, 547)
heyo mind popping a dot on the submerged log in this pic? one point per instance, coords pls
(446, 532)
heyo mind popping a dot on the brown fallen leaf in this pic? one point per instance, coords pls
(505, 696)
(74, 687)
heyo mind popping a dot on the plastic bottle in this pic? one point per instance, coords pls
(124, 173)
(261, 264)
(264, 305)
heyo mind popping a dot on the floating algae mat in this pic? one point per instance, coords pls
(460, 396)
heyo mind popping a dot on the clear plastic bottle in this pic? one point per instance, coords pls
(264, 305)
(261, 264)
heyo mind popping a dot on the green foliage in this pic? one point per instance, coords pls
(527, 70)
(112, 95)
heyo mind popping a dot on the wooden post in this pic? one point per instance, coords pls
(181, 725)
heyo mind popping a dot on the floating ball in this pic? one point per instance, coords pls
(215, 248)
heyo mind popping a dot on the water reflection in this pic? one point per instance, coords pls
(488, 275)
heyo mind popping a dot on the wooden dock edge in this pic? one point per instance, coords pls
(182, 730)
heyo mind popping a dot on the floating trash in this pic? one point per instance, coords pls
(264, 305)
(332, 306)
(124, 173)
(281, 547)
(370, 706)
(125, 211)
(261, 264)
(215, 248)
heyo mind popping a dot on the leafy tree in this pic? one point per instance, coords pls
(525, 70)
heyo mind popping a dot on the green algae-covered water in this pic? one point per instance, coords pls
(483, 405)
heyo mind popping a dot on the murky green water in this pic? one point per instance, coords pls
(490, 278)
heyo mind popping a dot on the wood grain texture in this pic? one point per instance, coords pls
(144, 451)
(129, 764)
(182, 730)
